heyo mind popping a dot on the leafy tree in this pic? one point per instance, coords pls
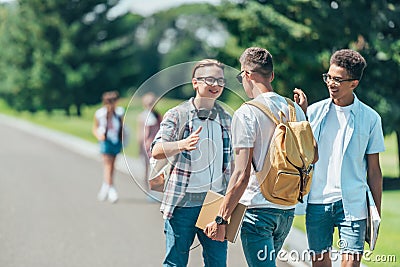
(178, 35)
(60, 53)
(284, 29)
(375, 33)
(302, 34)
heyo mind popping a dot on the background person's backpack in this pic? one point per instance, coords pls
(286, 174)
(160, 169)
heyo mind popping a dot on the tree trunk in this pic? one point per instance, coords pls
(398, 149)
(67, 112)
(78, 110)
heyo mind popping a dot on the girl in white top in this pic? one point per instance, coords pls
(107, 128)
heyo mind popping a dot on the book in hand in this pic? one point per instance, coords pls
(373, 222)
(210, 209)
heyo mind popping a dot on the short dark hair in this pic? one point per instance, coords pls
(205, 63)
(351, 60)
(258, 59)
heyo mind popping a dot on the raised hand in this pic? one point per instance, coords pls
(190, 143)
(300, 98)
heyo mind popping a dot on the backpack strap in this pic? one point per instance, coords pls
(183, 115)
(266, 166)
(292, 110)
(264, 109)
(182, 124)
(121, 127)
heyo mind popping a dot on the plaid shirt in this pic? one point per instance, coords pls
(179, 179)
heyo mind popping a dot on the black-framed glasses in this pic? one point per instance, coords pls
(211, 80)
(239, 77)
(326, 77)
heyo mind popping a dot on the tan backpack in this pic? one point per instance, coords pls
(286, 174)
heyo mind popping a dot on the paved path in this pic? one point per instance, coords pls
(49, 215)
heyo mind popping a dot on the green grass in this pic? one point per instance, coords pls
(389, 159)
(78, 126)
(389, 232)
(82, 126)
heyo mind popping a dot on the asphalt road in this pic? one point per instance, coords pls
(49, 214)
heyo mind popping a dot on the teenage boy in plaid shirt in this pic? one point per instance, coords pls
(203, 163)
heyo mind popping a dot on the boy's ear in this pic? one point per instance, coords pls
(194, 83)
(354, 84)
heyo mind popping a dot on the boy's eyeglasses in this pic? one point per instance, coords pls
(326, 77)
(239, 77)
(211, 81)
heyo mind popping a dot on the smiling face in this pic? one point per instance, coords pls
(203, 90)
(341, 93)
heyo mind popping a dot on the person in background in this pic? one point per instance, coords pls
(203, 163)
(108, 129)
(148, 125)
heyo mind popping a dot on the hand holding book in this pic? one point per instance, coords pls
(208, 213)
(215, 231)
(373, 222)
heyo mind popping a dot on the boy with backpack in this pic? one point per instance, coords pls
(266, 224)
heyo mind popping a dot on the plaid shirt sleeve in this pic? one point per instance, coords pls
(168, 128)
(179, 177)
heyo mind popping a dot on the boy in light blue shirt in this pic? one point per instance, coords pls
(350, 138)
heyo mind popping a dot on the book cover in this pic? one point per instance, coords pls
(210, 209)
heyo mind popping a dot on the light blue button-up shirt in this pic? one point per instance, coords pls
(363, 136)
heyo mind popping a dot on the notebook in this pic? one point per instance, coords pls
(210, 210)
(373, 222)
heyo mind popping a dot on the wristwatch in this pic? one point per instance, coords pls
(219, 220)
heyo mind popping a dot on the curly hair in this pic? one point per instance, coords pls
(258, 59)
(351, 60)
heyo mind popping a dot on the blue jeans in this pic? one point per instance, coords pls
(321, 219)
(263, 232)
(180, 232)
